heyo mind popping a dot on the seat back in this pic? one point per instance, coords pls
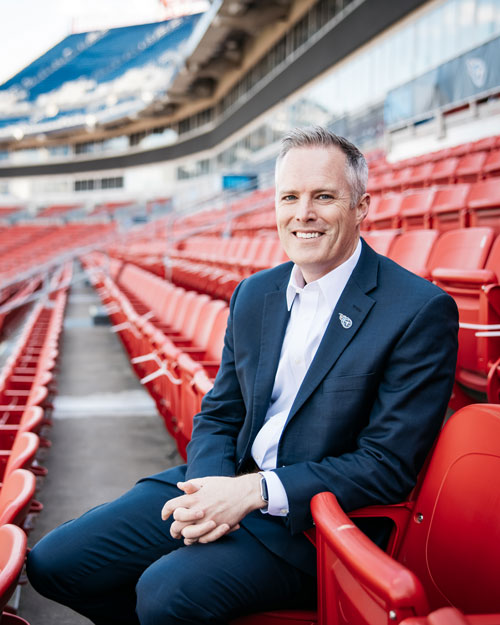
(381, 240)
(12, 555)
(23, 452)
(216, 339)
(452, 543)
(443, 171)
(412, 250)
(464, 248)
(203, 329)
(415, 209)
(470, 166)
(16, 494)
(484, 204)
(449, 207)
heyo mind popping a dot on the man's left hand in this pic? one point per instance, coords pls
(212, 506)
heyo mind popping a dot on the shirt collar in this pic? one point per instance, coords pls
(331, 284)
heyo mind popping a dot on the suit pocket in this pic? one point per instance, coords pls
(348, 382)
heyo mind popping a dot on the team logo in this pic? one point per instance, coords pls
(477, 70)
(345, 321)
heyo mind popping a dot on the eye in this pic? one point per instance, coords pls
(289, 197)
(325, 196)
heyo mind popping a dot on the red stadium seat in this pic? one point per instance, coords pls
(463, 249)
(444, 171)
(483, 203)
(492, 164)
(16, 495)
(449, 207)
(12, 555)
(477, 294)
(470, 167)
(412, 250)
(415, 209)
(436, 563)
(381, 240)
(20, 456)
(387, 213)
(420, 175)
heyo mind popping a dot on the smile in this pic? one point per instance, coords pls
(308, 235)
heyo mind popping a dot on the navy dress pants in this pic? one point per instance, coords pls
(118, 564)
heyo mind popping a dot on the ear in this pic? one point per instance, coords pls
(362, 208)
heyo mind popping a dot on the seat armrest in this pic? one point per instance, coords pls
(464, 276)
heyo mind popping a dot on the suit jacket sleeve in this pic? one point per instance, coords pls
(404, 420)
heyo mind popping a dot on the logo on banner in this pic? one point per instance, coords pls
(476, 68)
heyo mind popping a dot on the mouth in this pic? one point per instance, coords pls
(308, 235)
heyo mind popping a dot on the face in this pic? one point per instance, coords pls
(317, 226)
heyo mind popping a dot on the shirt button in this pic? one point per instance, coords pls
(297, 361)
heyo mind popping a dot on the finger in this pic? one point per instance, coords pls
(188, 487)
(198, 530)
(215, 534)
(234, 528)
(188, 514)
(173, 504)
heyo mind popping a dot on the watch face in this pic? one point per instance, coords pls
(263, 489)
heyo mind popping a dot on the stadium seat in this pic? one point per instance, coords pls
(412, 250)
(463, 249)
(436, 563)
(420, 176)
(381, 240)
(20, 456)
(415, 209)
(483, 203)
(449, 207)
(491, 166)
(387, 214)
(444, 171)
(12, 555)
(470, 167)
(16, 496)
(477, 294)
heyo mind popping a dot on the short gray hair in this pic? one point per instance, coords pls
(316, 136)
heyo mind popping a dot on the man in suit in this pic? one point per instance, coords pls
(336, 372)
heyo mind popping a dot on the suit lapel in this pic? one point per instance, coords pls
(274, 321)
(355, 304)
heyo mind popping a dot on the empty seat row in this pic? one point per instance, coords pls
(470, 167)
(466, 264)
(173, 337)
(443, 208)
(26, 388)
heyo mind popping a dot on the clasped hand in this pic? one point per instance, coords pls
(212, 506)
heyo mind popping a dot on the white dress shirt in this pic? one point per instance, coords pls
(311, 308)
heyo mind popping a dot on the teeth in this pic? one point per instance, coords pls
(307, 235)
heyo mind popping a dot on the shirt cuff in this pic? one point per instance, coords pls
(278, 500)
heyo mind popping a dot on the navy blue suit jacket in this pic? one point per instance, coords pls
(367, 412)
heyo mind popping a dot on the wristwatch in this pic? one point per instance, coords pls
(263, 489)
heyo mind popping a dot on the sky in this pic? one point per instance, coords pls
(28, 28)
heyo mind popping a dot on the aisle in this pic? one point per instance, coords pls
(106, 435)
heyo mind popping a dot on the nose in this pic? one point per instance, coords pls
(304, 210)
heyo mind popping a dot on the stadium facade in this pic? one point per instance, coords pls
(143, 111)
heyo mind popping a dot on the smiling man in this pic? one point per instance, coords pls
(336, 372)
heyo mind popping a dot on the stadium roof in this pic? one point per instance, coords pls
(94, 77)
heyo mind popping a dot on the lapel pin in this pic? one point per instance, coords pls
(345, 321)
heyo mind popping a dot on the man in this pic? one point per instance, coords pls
(335, 375)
